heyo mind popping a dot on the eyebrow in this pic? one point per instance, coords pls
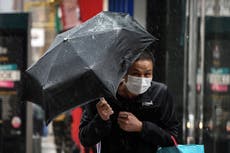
(136, 70)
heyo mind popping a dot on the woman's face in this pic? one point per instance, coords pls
(140, 68)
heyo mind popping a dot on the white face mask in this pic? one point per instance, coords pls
(138, 85)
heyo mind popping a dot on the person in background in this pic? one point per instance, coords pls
(38, 120)
(62, 133)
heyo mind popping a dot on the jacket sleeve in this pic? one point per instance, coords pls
(92, 128)
(160, 133)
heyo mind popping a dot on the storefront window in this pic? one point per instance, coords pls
(208, 81)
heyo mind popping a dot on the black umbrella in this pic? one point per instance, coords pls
(85, 63)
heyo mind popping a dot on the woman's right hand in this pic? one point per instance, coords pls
(104, 109)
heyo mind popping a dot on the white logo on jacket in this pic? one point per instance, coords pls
(147, 103)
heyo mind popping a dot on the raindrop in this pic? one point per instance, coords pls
(65, 39)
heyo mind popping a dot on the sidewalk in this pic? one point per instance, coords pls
(47, 143)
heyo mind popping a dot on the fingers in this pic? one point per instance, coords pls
(107, 111)
(104, 106)
(102, 102)
(122, 122)
(104, 109)
(129, 122)
(124, 115)
(123, 118)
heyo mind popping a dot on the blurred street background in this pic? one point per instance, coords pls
(192, 57)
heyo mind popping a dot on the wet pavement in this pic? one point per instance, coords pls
(47, 143)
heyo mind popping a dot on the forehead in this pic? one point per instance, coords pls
(142, 65)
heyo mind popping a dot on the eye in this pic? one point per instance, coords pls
(148, 75)
(135, 74)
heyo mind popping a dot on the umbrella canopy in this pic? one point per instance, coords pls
(85, 63)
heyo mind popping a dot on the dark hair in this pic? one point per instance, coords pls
(146, 55)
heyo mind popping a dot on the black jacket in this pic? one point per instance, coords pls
(154, 108)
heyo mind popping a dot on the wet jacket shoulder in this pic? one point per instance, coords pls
(155, 108)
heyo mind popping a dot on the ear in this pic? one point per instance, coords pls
(126, 78)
